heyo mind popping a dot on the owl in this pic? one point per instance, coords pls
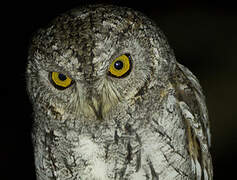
(110, 101)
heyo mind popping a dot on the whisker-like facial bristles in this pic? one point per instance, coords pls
(110, 97)
(98, 104)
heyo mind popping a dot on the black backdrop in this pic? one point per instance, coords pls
(203, 36)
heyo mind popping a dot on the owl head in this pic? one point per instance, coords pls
(89, 61)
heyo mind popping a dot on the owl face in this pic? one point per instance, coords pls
(89, 61)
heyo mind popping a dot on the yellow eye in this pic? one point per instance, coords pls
(60, 81)
(121, 66)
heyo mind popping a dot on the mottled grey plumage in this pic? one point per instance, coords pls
(151, 124)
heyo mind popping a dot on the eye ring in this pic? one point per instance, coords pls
(121, 66)
(60, 81)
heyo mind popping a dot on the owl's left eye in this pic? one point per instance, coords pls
(60, 81)
(121, 66)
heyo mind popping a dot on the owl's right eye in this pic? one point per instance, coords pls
(60, 81)
(121, 66)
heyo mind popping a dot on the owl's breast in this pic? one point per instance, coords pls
(136, 142)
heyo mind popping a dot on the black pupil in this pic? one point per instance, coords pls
(118, 65)
(62, 77)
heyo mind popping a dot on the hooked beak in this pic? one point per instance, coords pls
(98, 101)
(96, 106)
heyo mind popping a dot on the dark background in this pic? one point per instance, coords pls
(202, 34)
